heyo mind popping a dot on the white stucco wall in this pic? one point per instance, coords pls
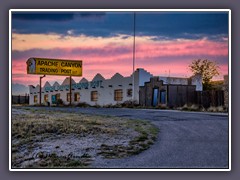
(193, 80)
(104, 87)
(197, 80)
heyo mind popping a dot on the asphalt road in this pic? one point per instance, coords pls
(186, 139)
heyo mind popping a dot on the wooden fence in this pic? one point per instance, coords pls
(209, 98)
(20, 99)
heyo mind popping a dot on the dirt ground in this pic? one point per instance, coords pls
(56, 138)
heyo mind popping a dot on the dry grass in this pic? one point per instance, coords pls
(35, 129)
(146, 136)
(195, 107)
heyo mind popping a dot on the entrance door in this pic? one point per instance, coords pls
(163, 97)
(155, 97)
(54, 99)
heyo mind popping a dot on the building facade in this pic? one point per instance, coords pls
(101, 91)
(173, 92)
(98, 91)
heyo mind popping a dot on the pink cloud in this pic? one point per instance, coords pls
(158, 57)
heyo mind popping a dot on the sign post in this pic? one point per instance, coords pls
(57, 67)
(40, 91)
(70, 91)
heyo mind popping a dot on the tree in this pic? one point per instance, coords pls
(208, 69)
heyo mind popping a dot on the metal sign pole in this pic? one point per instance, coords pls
(40, 91)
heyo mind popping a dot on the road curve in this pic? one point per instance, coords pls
(186, 139)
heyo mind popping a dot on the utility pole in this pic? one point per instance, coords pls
(40, 91)
(70, 103)
(134, 29)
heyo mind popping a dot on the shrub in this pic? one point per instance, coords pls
(161, 106)
(216, 109)
(192, 107)
(82, 104)
(108, 106)
(59, 102)
(130, 104)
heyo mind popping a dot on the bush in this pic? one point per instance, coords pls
(108, 106)
(161, 106)
(216, 109)
(192, 107)
(82, 104)
(59, 102)
(130, 104)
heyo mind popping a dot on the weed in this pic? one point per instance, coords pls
(32, 129)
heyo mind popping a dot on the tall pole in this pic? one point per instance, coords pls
(70, 91)
(40, 91)
(134, 28)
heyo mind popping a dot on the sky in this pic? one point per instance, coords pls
(166, 42)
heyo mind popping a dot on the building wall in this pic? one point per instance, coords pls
(193, 80)
(174, 95)
(197, 81)
(179, 95)
(174, 80)
(146, 91)
(177, 89)
(104, 87)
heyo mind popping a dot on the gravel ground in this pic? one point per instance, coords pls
(186, 139)
(50, 135)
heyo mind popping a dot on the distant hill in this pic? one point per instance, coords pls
(19, 89)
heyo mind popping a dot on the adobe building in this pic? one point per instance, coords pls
(98, 91)
(116, 90)
(169, 91)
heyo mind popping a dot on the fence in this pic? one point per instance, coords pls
(209, 98)
(20, 99)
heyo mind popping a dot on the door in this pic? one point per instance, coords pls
(163, 97)
(155, 97)
(54, 99)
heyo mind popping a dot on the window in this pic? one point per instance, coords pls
(77, 97)
(118, 95)
(35, 99)
(129, 93)
(94, 96)
(58, 96)
(68, 97)
(46, 98)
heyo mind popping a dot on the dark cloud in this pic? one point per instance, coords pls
(61, 52)
(159, 25)
(182, 24)
(42, 16)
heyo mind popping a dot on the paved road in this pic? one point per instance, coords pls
(185, 140)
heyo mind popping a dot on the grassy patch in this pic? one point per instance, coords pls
(147, 134)
(54, 161)
(195, 107)
(32, 127)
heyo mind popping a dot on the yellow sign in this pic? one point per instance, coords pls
(54, 67)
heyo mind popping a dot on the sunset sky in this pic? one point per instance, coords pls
(166, 42)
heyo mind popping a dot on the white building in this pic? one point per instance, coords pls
(98, 91)
(101, 91)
